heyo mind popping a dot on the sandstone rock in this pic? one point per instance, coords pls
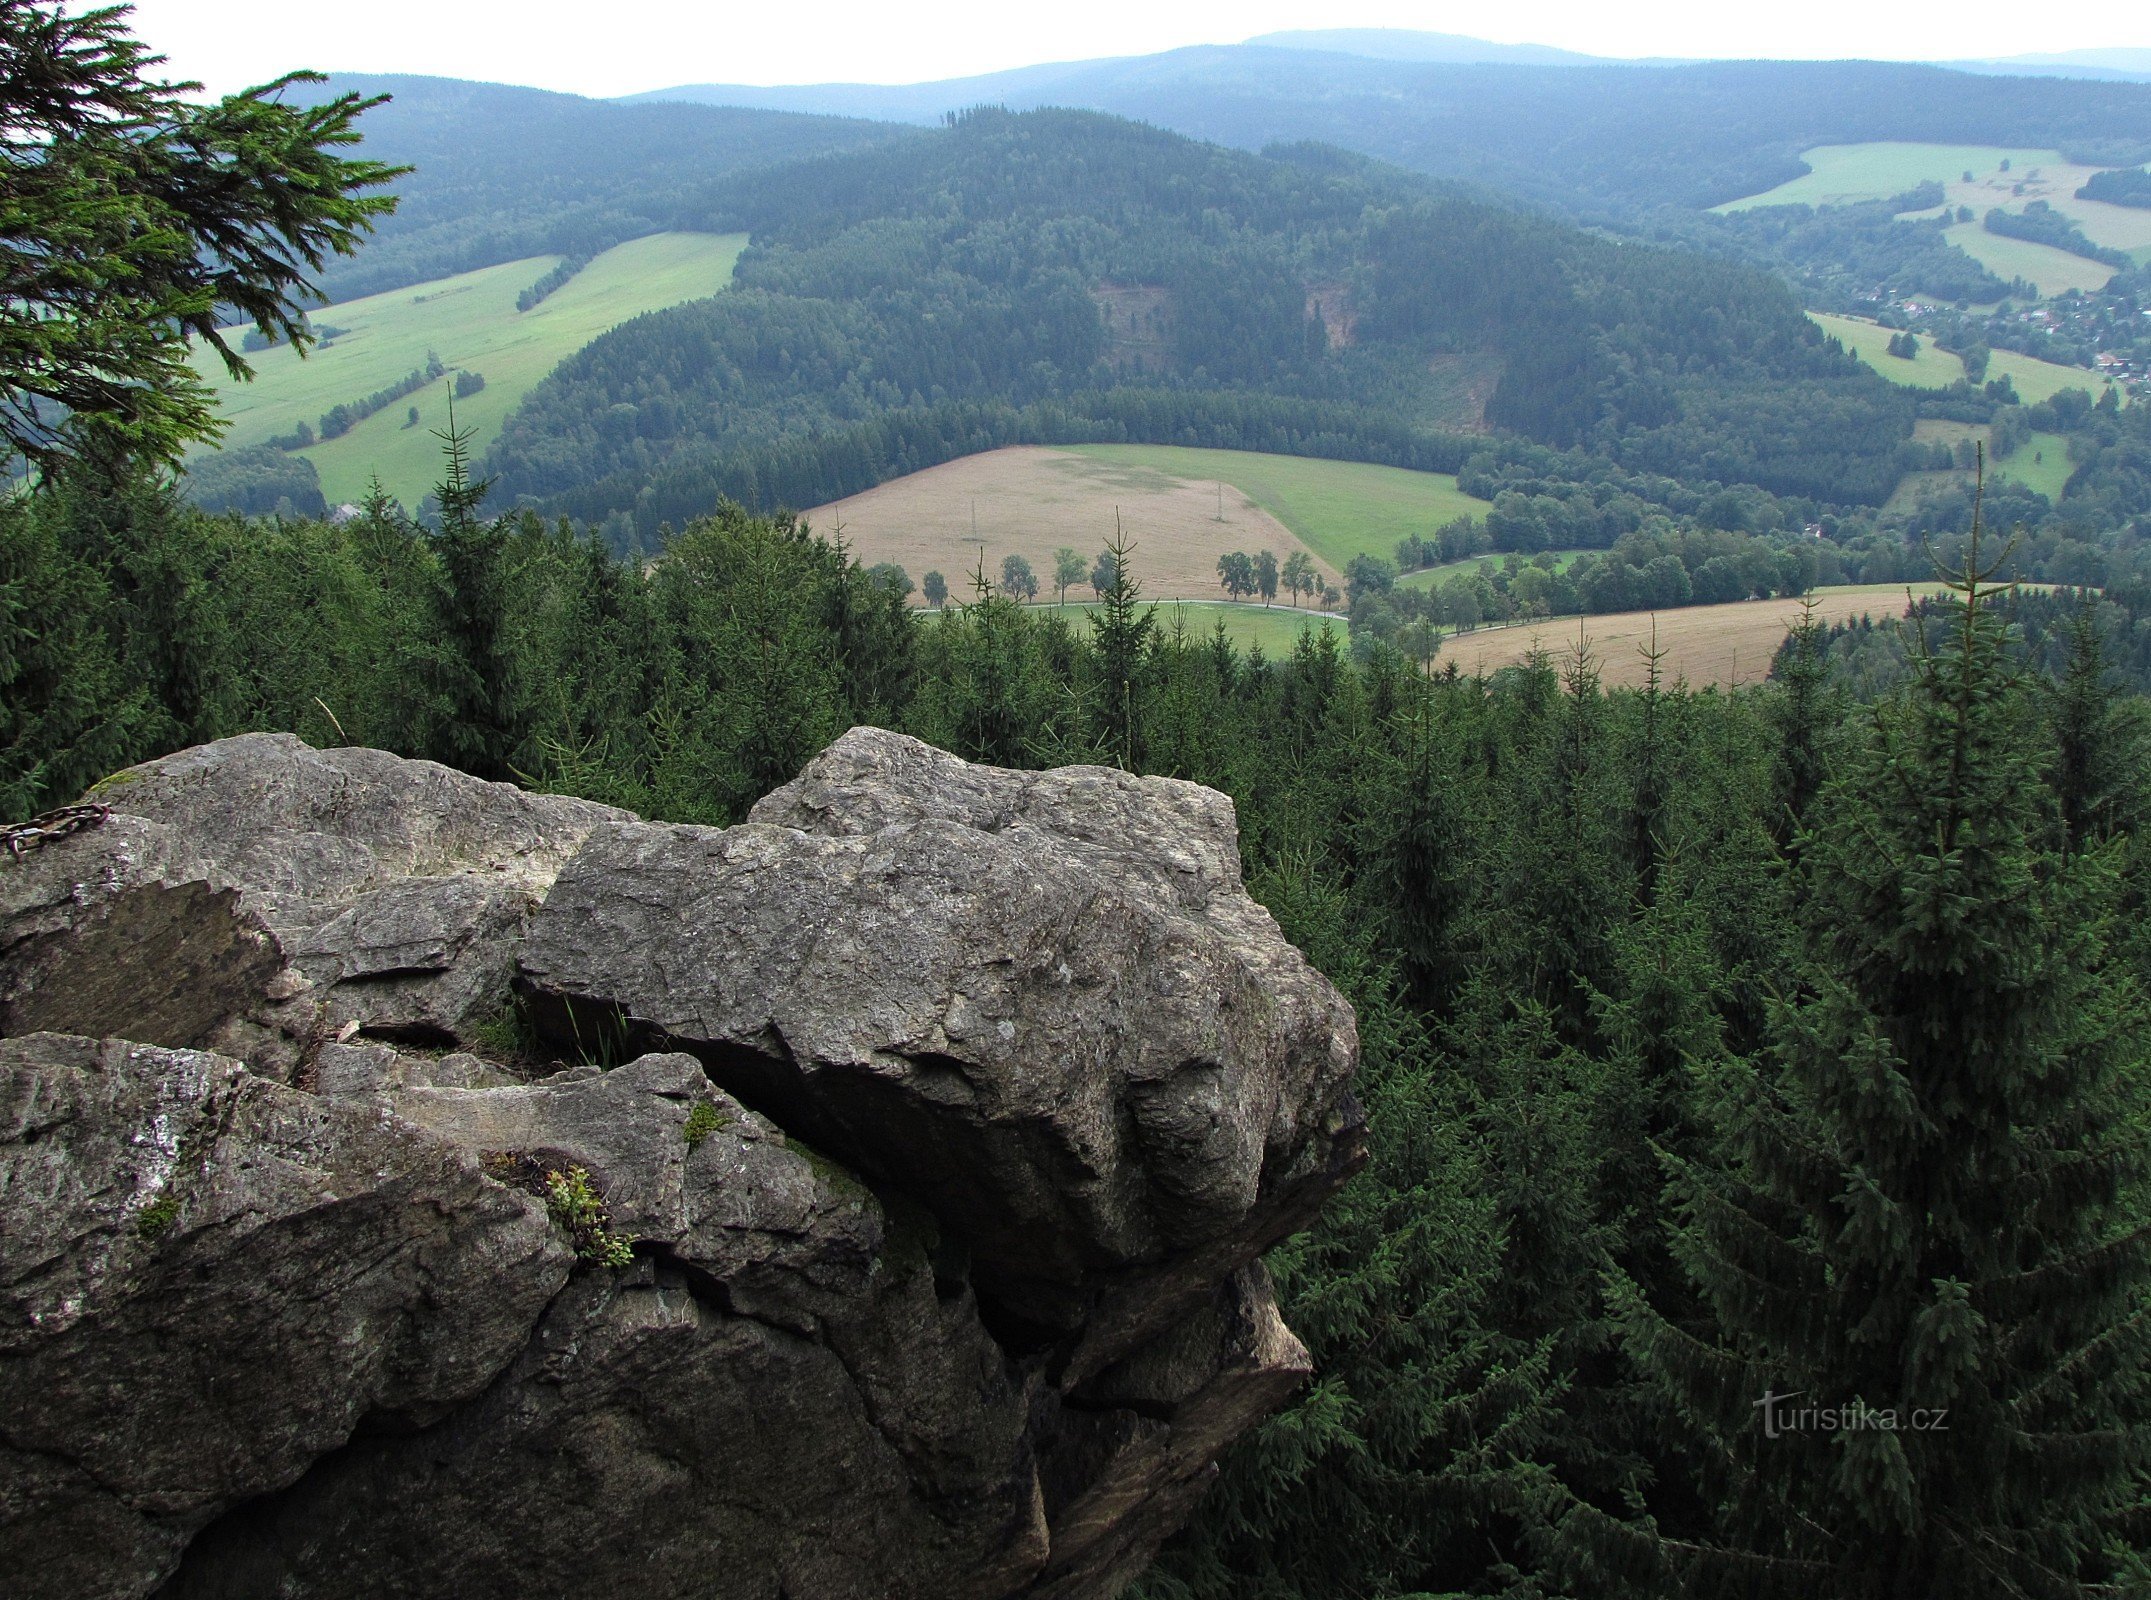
(1043, 1004)
(280, 893)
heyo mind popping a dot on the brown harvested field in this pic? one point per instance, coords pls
(1031, 501)
(1729, 644)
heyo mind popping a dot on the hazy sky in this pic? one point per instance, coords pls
(648, 44)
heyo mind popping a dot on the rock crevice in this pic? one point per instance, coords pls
(863, 1201)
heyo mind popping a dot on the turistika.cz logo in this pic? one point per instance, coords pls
(1781, 1416)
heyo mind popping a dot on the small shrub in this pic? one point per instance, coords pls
(703, 1121)
(578, 1210)
(154, 1220)
(507, 1035)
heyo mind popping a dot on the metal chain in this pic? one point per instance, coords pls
(19, 837)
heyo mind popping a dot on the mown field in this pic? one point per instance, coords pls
(1728, 644)
(1339, 508)
(2048, 270)
(1276, 629)
(1181, 508)
(1848, 173)
(471, 322)
(1934, 369)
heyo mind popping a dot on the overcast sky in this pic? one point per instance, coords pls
(649, 44)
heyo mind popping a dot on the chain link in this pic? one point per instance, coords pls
(20, 837)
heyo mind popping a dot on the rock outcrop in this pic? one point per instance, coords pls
(410, 1185)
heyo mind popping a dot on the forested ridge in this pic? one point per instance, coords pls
(502, 172)
(896, 299)
(1599, 141)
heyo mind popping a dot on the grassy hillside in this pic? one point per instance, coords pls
(1973, 176)
(470, 320)
(502, 173)
(1434, 577)
(1930, 369)
(1846, 174)
(2048, 270)
(1339, 508)
(1933, 369)
(2041, 463)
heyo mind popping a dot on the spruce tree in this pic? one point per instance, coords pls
(475, 693)
(1917, 1369)
(2090, 758)
(1121, 629)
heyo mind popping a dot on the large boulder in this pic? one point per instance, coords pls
(259, 895)
(1042, 1004)
(774, 1399)
(885, 1222)
(208, 1281)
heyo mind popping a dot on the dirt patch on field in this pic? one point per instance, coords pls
(1030, 501)
(1730, 644)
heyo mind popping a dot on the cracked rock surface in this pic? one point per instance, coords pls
(926, 1132)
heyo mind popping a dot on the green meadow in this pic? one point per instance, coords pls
(2048, 270)
(1930, 369)
(1276, 628)
(471, 322)
(1846, 174)
(1340, 508)
(1935, 369)
(2040, 463)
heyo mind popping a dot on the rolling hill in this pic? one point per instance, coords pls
(505, 173)
(1061, 277)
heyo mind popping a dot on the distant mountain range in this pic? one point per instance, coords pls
(2131, 66)
(505, 172)
(1404, 44)
(1595, 139)
(1062, 83)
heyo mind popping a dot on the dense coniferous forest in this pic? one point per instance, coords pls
(899, 303)
(1611, 954)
